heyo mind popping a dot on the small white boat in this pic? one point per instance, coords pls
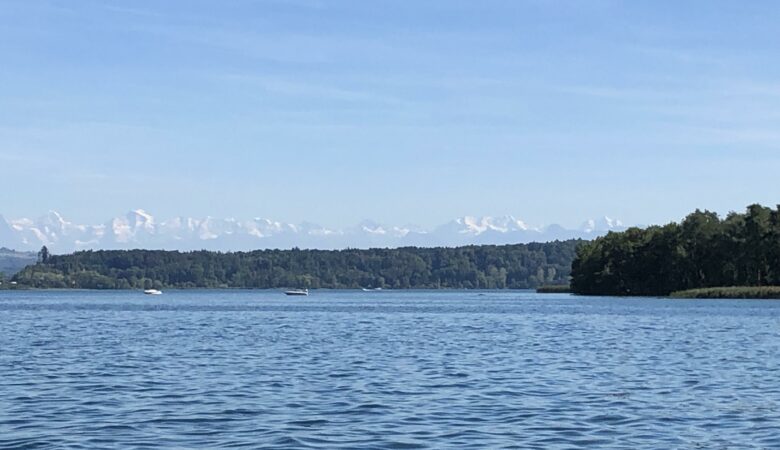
(372, 289)
(152, 292)
(297, 292)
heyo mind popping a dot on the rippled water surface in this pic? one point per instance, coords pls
(256, 369)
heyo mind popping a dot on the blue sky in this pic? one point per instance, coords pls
(398, 111)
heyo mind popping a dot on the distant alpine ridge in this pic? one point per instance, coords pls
(139, 229)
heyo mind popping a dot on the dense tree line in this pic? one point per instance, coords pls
(472, 267)
(702, 251)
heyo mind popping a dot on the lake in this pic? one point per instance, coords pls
(391, 369)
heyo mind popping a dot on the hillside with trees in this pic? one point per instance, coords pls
(702, 251)
(472, 267)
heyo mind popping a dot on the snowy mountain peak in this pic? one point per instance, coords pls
(478, 225)
(54, 218)
(601, 225)
(140, 229)
(613, 223)
(138, 218)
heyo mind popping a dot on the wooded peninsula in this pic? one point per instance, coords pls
(703, 251)
(519, 266)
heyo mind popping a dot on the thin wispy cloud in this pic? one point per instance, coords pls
(290, 87)
(133, 11)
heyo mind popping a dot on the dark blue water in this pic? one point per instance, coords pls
(255, 369)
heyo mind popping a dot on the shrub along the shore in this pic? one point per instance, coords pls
(742, 292)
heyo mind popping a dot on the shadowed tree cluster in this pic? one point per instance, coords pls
(700, 252)
(472, 267)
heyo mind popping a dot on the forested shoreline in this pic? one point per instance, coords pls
(702, 251)
(520, 266)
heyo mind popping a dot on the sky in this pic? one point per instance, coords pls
(404, 112)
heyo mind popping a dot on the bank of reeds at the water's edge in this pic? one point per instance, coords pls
(739, 292)
(732, 292)
(554, 289)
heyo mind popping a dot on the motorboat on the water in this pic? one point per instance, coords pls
(152, 291)
(372, 289)
(297, 292)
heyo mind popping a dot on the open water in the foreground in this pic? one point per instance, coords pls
(256, 369)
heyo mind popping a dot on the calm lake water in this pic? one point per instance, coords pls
(256, 369)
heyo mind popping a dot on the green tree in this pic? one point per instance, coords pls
(43, 255)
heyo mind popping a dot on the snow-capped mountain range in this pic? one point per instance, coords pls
(139, 229)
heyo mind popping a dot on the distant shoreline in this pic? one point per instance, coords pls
(281, 289)
(517, 266)
(728, 293)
